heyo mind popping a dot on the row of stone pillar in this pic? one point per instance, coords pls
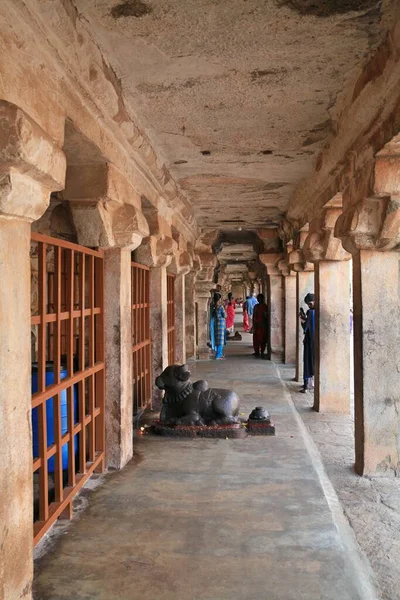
(319, 258)
(27, 177)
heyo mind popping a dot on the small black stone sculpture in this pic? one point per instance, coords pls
(187, 403)
(259, 414)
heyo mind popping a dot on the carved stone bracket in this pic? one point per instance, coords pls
(271, 260)
(321, 243)
(295, 257)
(31, 165)
(156, 251)
(106, 209)
(372, 224)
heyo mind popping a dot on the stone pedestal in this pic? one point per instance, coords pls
(377, 361)
(332, 337)
(118, 351)
(190, 315)
(180, 320)
(304, 285)
(289, 355)
(158, 324)
(275, 302)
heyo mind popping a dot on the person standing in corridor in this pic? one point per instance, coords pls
(246, 324)
(230, 313)
(219, 324)
(260, 327)
(308, 324)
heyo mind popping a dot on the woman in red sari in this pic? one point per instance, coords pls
(230, 313)
(260, 327)
(246, 324)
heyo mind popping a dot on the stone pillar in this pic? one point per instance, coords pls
(332, 337)
(304, 285)
(190, 315)
(370, 230)
(109, 222)
(204, 285)
(157, 252)
(290, 315)
(26, 179)
(274, 300)
(276, 312)
(180, 320)
(118, 352)
(203, 301)
(332, 323)
(158, 324)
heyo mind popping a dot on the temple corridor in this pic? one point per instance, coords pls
(163, 164)
(212, 519)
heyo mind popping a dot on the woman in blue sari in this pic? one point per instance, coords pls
(218, 327)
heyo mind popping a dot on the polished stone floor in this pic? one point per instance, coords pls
(211, 519)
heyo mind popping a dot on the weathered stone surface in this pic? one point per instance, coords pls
(118, 352)
(158, 324)
(332, 337)
(290, 323)
(227, 100)
(321, 244)
(16, 491)
(373, 223)
(180, 319)
(156, 251)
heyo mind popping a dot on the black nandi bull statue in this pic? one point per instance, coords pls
(187, 403)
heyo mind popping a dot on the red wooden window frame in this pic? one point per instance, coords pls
(69, 320)
(141, 343)
(171, 317)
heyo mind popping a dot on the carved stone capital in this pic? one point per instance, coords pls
(321, 243)
(372, 224)
(270, 239)
(284, 269)
(286, 231)
(298, 263)
(85, 183)
(100, 225)
(208, 262)
(271, 260)
(206, 241)
(31, 165)
(182, 263)
(156, 251)
(299, 237)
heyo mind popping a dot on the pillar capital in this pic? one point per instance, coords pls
(208, 262)
(106, 209)
(284, 269)
(156, 251)
(271, 260)
(321, 243)
(371, 224)
(298, 263)
(31, 165)
(182, 263)
(99, 224)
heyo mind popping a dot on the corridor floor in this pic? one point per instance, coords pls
(211, 519)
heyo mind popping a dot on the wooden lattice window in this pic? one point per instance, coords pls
(141, 345)
(171, 317)
(67, 333)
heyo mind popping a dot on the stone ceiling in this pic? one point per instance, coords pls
(237, 96)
